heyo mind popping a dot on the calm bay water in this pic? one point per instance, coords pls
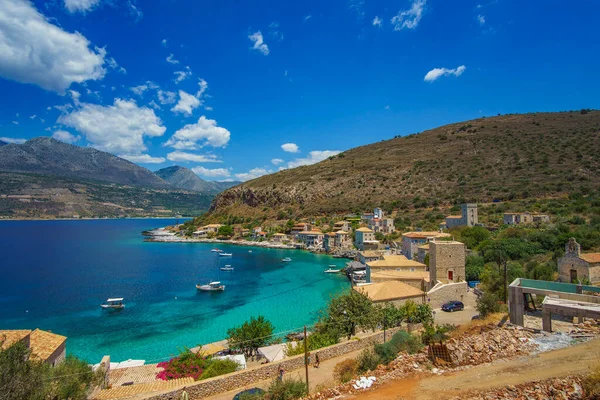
(55, 274)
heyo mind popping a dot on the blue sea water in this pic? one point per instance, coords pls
(55, 274)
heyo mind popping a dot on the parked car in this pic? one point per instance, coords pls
(453, 306)
(249, 392)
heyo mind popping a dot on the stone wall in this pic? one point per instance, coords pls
(224, 383)
(452, 291)
(446, 257)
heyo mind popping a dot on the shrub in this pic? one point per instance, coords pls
(438, 333)
(401, 341)
(288, 389)
(187, 364)
(487, 304)
(219, 367)
(346, 370)
(591, 384)
(367, 361)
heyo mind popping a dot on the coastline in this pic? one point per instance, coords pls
(247, 243)
(88, 219)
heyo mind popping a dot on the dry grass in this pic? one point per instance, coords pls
(591, 384)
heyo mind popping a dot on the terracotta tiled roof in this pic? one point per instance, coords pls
(454, 216)
(280, 234)
(390, 290)
(341, 233)
(399, 275)
(8, 338)
(44, 343)
(590, 257)
(425, 235)
(366, 230)
(396, 261)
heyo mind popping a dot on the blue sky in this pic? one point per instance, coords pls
(238, 89)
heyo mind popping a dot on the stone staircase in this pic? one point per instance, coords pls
(123, 392)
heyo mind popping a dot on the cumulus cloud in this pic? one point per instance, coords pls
(438, 72)
(35, 51)
(377, 21)
(481, 19)
(253, 174)
(81, 6)
(182, 156)
(212, 173)
(276, 161)
(119, 128)
(143, 158)
(12, 140)
(259, 44)
(186, 104)
(171, 59)
(65, 136)
(410, 18)
(181, 76)
(290, 147)
(203, 133)
(313, 158)
(166, 97)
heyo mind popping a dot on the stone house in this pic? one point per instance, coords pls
(383, 225)
(200, 233)
(468, 216)
(412, 240)
(329, 241)
(422, 252)
(400, 267)
(342, 239)
(395, 292)
(341, 226)
(370, 255)
(299, 228)
(211, 228)
(45, 346)
(446, 261)
(312, 238)
(524, 218)
(575, 266)
(365, 239)
(280, 238)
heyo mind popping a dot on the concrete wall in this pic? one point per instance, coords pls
(442, 293)
(247, 377)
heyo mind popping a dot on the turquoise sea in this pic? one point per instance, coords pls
(55, 275)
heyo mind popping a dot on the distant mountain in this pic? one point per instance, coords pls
(2, 143)
(44, 155)
(184, 178)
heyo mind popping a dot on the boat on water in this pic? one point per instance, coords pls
(227, 268)
(114, 303)
(211, 287)
(225, 254)
(287, 259)
(332, 270)
(249, 251)
(217, 250)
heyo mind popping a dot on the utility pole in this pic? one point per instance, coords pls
(505, 283)
(384, 328)
(306, 358)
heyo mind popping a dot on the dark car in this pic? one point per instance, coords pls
(249, 392)
(453, 306)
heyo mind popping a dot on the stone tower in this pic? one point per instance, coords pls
(446, 261)
(469, 214)
(572, 248)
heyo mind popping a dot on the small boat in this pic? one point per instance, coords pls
(287, 259)
(116, 303)
(249, 251)
(225, 254)
(217, 250)
(332, 270)
(227, 268)
(211, 287)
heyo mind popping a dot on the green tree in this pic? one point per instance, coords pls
(250, 335)
(225, 231)
(487, 304)
(473, 267)
(20, 378)
(349, 311)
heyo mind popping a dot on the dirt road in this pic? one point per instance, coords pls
(571, 360)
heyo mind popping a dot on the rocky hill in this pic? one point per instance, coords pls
(44, 155)
(486, 159)
(3, 143)
(184, 178)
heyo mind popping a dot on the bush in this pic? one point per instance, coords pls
(438, 333)
(591, 384)
(187, 364)
(401, 341)
(288, 389)
(487, 304)
(346, 370)
(367, 361)
(219, 367)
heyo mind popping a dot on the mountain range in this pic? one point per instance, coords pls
(486, 159)
(184, 178)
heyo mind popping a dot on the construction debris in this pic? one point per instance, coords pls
(568, 388)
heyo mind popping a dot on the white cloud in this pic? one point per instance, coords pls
(164, 42)
(253, 174)
(377, 21)
(438, 72)
(81, 6)
(186, 104)
(154, 105)
(139, 90)
(182, 156)
(166, 97)
(182, 75)
(313, 158)
(481, 19)
(143, 158)
(16, 122)
(65, 136)
(12, 140)
(410, 18)
(33, 116)
(203, 86)
(212, 173)
(75, 95)
(171, 59)
(274, 30)
(259, 44)
(119, 128)
(290, 147)
(387, 107)
(306, 18)
(203, 133)
(276, 161)
(32, 50)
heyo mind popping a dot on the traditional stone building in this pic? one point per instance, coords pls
(412, 240)
(574, 266)
(45, 346)
(447, 261)
(341, 226)
(365, 239)
(524, 218)
(468, 216)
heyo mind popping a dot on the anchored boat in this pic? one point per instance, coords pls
(116, 303)
(227, 268)
(211, 287)
(225, 254)
(287, 259)
(217, 250)
(332, 270)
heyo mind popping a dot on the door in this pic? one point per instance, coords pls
(450, 275)
(573, 275)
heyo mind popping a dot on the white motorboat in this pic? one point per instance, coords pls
(211, 287)
(217, 250)
(115, 303)
(225, 254)
(249, 251)
(287, 259)
(332, 270)
(227, 268)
